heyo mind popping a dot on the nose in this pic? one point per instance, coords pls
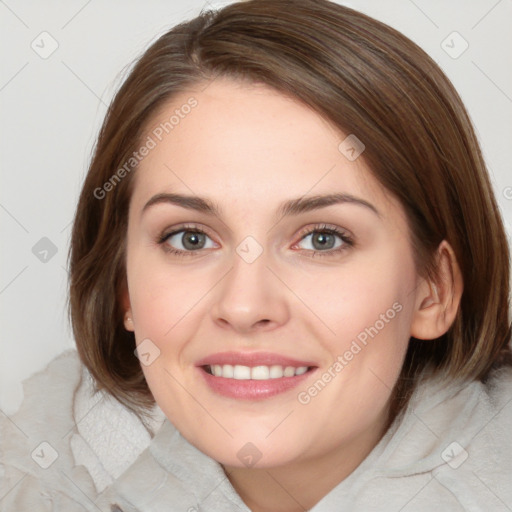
(250, 298)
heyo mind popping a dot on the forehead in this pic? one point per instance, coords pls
(247, 144)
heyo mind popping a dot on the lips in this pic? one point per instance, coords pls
(253, 375)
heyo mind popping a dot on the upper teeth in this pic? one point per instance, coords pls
(240, 372)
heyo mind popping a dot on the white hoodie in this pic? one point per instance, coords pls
(68, 449)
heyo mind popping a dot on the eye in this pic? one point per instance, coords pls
(325, 240)
(186, 240)
(322, 240)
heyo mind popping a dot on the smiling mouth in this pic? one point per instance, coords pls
(262, 372)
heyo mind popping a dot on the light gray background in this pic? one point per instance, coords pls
(52, 108)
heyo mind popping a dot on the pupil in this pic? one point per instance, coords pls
(193, 240)
(323, 239)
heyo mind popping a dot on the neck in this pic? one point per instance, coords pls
(298, 486)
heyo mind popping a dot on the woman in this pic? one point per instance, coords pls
(288, 273)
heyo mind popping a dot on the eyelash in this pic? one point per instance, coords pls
(324, 228)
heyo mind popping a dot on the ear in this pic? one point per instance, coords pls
(124, 298)
(437, 302)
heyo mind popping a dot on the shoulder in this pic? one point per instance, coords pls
(470, 427)
(468, 405)
(48, 396)
(489, 421)
(479, 466)
(492, 439)
(452, 445)
(37, 470)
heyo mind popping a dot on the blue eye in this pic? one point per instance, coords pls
(189, 239)
(326, 241)
(321, 240)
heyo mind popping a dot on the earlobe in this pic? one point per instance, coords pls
(438, 302)
(125, 304)
(128, 321)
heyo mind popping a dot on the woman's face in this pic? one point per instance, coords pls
(302, 264)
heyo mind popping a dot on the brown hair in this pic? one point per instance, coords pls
(367, 79)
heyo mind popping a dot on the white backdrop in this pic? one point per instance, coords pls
(61, 63)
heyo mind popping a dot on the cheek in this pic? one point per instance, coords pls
(361, 298)
(162, 296)
(368, 309)
(166, 307)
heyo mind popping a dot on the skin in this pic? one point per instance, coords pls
(248, 148)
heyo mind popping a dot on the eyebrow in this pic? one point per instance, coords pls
(291, 207)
